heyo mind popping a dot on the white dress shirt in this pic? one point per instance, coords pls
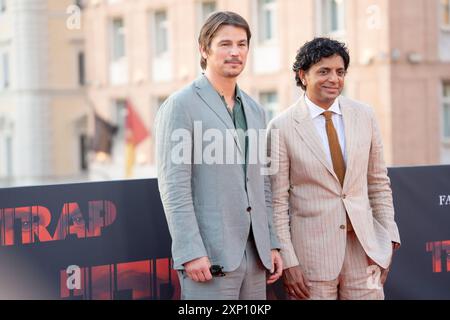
(319, 122)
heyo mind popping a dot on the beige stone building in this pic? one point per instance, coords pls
(143, 50)
(43, 113)
(146, 49)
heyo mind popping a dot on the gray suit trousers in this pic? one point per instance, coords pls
(247, 282)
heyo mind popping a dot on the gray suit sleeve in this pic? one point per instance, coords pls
(174, 145)
(274, 243)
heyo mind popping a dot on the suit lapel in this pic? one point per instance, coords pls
(215, 103)
(350, 118)
(306, 129)
(251, 125)
(248, 113)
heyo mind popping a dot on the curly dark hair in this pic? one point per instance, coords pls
(313, 51)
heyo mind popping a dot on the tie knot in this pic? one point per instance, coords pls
(327, 115)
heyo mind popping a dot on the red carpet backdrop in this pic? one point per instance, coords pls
(109, 240)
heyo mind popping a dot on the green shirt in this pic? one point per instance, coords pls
(240, 122)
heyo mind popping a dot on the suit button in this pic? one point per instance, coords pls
(344, 196)
(342, 227)
(249, 209)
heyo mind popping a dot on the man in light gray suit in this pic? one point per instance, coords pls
(217, 202)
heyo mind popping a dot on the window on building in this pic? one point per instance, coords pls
(207, 7)
(118, 39)
(332, 12)
(204, 9)
(118, 68)
(84, 149)
(161, 41)
(9, 156)
(81, 69)
(80, 3)
(446, 110)
(445, 13)
(4, 64)
(119, 118)
(266, 20)
(269, 100)
(2, 6)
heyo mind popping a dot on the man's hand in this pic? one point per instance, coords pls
(198, 269)
(385, 272)
(383, 276)
(395, 245)
(295, 283)
(277, 267)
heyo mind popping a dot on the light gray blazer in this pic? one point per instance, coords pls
(210, 206)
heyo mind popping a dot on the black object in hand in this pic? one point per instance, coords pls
(216, 271)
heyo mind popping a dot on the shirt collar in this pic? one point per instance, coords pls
(238, 93)
(315, 110)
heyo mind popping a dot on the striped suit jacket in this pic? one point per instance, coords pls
(310, 204)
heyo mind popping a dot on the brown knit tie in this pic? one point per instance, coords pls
(335, 148)
(336, 153)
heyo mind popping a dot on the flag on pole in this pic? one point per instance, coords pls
(135, 132)
(103, 135)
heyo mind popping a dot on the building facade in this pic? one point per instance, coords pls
(43, 115)
(141, 51)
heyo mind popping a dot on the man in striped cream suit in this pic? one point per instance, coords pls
(332, 200)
